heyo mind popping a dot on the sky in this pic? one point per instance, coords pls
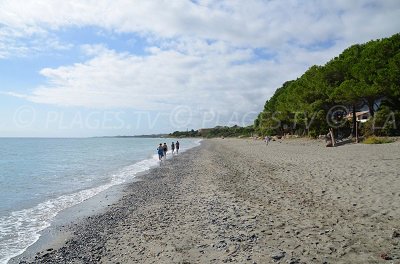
(82, 68)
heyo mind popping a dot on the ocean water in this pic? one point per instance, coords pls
(41, 177)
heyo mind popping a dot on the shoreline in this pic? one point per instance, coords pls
(236, 200)
(57, 236)
(61, 227)
(66, 218)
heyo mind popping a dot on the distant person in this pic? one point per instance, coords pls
(160, 151)
(173, 147)
(267, 140)
(165, 148)
(177, 146)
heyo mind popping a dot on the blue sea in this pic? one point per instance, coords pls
(41, 177)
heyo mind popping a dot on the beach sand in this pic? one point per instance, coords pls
(238, 200)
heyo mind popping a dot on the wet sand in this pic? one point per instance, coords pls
(241, 201)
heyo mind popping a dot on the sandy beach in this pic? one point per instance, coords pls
(238, 200)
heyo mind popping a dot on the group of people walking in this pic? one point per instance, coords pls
(163, 149)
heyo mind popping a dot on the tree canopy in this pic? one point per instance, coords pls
(363, 77)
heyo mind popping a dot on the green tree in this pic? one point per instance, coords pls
(363, 75)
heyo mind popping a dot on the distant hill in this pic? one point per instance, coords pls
(139, 136)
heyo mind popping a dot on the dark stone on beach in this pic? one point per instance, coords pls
(293, 261)
(45, 255)
(278, 255)
(253, 238)
(385, 256)
(396, 234)
(221, 244)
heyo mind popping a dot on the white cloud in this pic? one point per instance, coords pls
(165, 77)
(254, 23)
(202, 55)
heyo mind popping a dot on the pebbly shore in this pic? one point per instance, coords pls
(241, 201)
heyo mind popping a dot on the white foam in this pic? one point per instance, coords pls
(22, 228)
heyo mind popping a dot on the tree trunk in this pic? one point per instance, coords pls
(371, 109)
(354, 120)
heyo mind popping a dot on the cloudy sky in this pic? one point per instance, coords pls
(122, 67)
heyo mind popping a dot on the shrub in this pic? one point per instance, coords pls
(378, 140)
(367, 128)
(313, 133)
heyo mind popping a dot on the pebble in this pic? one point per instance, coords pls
(293, 261)
(278, 255)
(396, 234)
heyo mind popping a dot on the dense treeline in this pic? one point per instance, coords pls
(181, 134)
(234, 131)
(363, 77)
(219, 131)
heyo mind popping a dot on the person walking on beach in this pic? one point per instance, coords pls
(160, 151)
(267, 139)
(173, 148)
(177, 146)
(165, 148)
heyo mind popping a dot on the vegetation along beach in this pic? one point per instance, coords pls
(200, 131)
